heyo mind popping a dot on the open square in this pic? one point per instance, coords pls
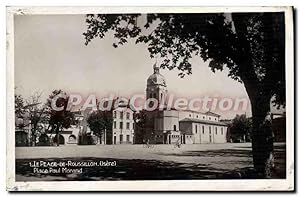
(136, 162)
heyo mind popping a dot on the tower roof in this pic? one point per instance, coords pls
(156, 78)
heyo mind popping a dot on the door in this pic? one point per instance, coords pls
(121, 139)
(115, 139)
(165, 138)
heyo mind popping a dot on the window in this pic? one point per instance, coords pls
(174, 127)
(121, 138)
(121, 125)
(190, 115)
(196, 129)
(209, 118)
(203, 117)
(115, 114)
(127, 125)
(127, 138)
(222, 130)
(154, 95)
(216, 130)
(127, 115)
(197, 116)
(209, 129)
(115, 124)
(121, 115)
(203, 129)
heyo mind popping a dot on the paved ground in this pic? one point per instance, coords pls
(134, 162)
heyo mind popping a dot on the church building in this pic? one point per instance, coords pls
(167, 126)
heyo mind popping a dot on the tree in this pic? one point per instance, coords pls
(19, 105)
(32, 112)
(37, 113)
(21, 137)
(140, 119)
(250, 45)
(99, 122)
(241, 128)
(59, 119)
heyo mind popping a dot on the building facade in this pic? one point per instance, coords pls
(123, 126)
(168, 126)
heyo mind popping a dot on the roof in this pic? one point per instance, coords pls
(212, 114)
(205, 113)
(203, 121)
(226, 121)
(156, 79)
(193, 111)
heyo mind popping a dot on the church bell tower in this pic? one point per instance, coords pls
(156, 86)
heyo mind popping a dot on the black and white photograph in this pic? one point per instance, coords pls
(122, 98)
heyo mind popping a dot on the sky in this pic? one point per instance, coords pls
(50, 54)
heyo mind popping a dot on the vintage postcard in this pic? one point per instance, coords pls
(150, 99)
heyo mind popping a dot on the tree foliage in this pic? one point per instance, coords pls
(99, 122)
(59, 120)
(33, 111)
(250, 45)
(37, 113)
(241, 127)
(140, 119)
(19, 105)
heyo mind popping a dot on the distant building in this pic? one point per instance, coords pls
(279, 126)
(165, 126)
(70, 136)
(22, 129)
(123, 126)
(169, 126)
(121, 132)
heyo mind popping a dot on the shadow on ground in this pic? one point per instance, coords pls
(137, 169)
(213, 153)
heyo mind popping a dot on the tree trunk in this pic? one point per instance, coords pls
(262, 137)
(57, 139)
(262, 134)
(33, 135)
(57, 136)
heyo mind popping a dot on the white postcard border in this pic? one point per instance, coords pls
(168, 185)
